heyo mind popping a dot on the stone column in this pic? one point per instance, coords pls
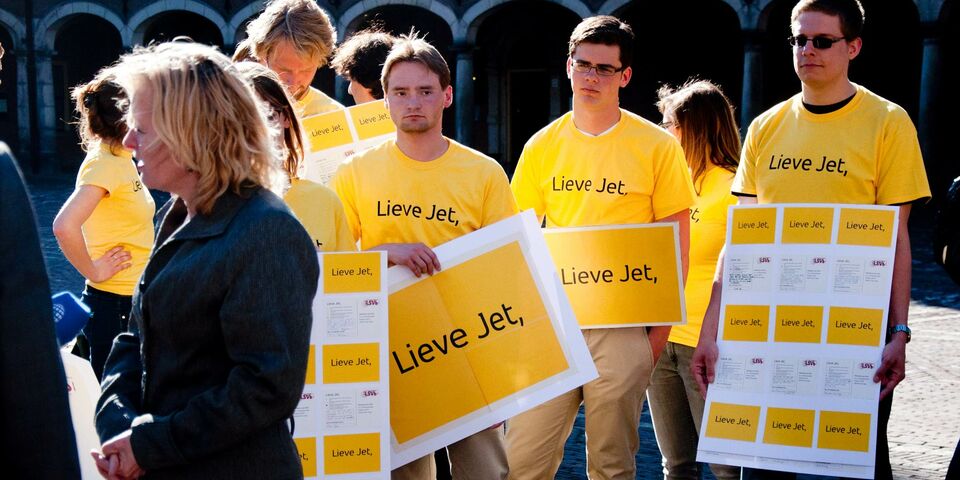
(932, 70)
(495, 119)
(340, 87)
(46, 110)
(463, 94)
(752, 95)
(23, 105)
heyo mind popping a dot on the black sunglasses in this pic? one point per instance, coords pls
(820, 42)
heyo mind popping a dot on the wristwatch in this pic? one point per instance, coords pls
(899, 328)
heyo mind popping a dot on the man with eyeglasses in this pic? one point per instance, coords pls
(636, 173)
(864, 150)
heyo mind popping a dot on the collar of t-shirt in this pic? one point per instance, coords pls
(833, 107)
(599, 134)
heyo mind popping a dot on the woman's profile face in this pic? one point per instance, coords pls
(158, 169)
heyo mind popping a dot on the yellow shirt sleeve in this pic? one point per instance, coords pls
(901, 175)
(499, 202)
(526, 183)
(343, 185)
(745, 180)
(100, 171)
(673, 191)
(344, 234)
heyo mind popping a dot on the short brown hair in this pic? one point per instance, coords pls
(850, 13)
(708, 128)
(101, 118)
(604, 30)
(301, 22)
(361, 57)
(412, 48)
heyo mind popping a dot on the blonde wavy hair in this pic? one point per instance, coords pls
(206, 115)
(301, 22)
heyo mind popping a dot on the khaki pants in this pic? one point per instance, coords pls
(612, 404)
(480, 456)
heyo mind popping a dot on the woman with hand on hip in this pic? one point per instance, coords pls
(701, 117)
(105, 228)
(216, 356)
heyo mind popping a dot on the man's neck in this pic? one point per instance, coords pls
(828, 95)
(595, 122)
(422, 147)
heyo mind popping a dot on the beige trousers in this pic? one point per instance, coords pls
(480, 456)
(612, 404)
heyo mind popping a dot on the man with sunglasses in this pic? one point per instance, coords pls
(864, 150)
(636, 173)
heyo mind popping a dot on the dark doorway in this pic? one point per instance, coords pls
(528, 112)
(169, 25)
(8, 94)
(84, 44)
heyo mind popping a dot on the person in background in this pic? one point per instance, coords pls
(316, 206)
(294, 38)
(37, 434)
(359, 60)
(105, 228)
(213, 364)
(701, 117)
(832, 118)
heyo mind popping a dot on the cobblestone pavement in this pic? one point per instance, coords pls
(925, 423)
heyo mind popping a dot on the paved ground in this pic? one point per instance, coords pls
(924, 425)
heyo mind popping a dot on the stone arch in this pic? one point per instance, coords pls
(14, 26)
(434, 6)
(46, 32)
(139, 20)
(237, 20)
(469, 25)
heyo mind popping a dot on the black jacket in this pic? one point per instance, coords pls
(216, 355)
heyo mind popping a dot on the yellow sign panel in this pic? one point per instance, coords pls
(789, 426)
(372, 119)
(844, 431)
(312, 365)
(357, 453)
(746, 323)
(733, 422)
(351, 272)
(327, 130)
(807, 225)
(798, 323)
(466, 337)
(855, 326)
(307, 447)
(754, 225)
(351, 363)
(869, 227)
(619, 276)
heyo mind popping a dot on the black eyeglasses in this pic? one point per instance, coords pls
(820, 42)
(603, 70)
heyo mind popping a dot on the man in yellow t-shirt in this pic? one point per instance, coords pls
(418, 191)
(599, 165)
(834, 142)
(294, 38)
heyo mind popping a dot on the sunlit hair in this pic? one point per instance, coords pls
(850, 13)
(604, 30)
(361, 57)
(413, 48)
(101, 119)
(708, 128)
(269, 88)
(302, 23)
(244, 52)
(205, 114)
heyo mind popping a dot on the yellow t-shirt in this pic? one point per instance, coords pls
(708, 230)
(865, 153)
(124, 217)
(391, 198)
(634, 173)
(321, 213)
(315, 102)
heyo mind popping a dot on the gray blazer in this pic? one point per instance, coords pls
(36, 433)
(216, 356)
